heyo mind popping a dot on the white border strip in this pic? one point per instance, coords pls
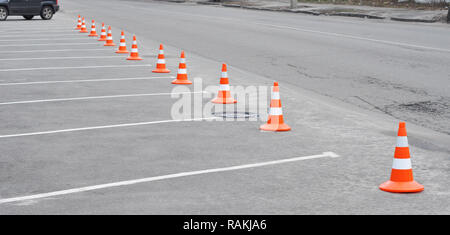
(59, 50)
(165, 177)
(96, 97)
(62, 58)
(50, 44)
(79, 67)
(81, 80)
(101, 127)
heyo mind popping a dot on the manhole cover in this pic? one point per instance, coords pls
(235, 115)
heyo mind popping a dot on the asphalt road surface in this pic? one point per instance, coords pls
(84, 131)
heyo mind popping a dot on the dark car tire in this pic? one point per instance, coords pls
(47, 13)
(3, 13)
(28, 17)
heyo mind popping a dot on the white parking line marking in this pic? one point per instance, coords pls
(58, 50)
(63, 58)
(79, 67)
(76, 81)
(50, 44)
(36, 35)
(100, 127)
(165, 177)
(94, 97)
(45, 39)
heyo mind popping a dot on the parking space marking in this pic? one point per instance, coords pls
(79, 81)
(63, 58)
(78, 67)
(166, 177)
(45, 39)
(35, 35)
(103, 127)
(95, 97)
(60, 50)
(50, 44)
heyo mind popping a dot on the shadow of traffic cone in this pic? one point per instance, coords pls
(83, 26)
(123, 45)
(161, 64)
(275, 122)
(102, 33)
(402, 180)
(93, 30)
(182, 72)
(109, 39)
(134, 55)
(79, 23)
(224, 95)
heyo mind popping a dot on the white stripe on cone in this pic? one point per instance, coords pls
(276, 111)
(402, 164)
(402, 141)
(224, 87)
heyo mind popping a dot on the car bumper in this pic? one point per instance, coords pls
(56, 8)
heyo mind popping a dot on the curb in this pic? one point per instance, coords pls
(414, 20)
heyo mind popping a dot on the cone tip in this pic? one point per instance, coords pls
(182, 54)
(224, 67)
(161, 46)
(402, 125)
(275, 83)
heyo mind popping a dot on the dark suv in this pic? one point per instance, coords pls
(28, 8)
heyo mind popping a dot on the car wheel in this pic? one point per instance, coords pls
(28, 17)
(3, 13)
(46, 13)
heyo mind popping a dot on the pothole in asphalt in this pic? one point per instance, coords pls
(236, 115)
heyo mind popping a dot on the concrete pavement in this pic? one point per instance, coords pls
(343, 84)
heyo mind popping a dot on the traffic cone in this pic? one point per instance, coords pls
(122, 46)
(79, 23)
(134, 55)
(402, 180)
(83, 26)
(182, 74)
(161, 64)
(109, 39)
(275, 122)
(93, 30)
(102, 33)
(224, 95)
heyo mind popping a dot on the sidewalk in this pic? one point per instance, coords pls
(398, 14)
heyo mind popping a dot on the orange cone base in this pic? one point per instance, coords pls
(78, 28)
(110, 45)
(102, 39)
(122, 52)
(401, 187)
(134, 58)
(85, 31)
(181, 82)
(224, 101)
(93, 35)
(275, 127)
(161, 71)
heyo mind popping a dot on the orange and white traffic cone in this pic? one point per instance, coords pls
(275, 122)
(83, 26)
(161, 64)
(122, 46)
(224, 95)
(402, 180)
(109, 39)
(102, 33)
(134, 55)
(93, 30)
(182, 77)
(79, 23)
